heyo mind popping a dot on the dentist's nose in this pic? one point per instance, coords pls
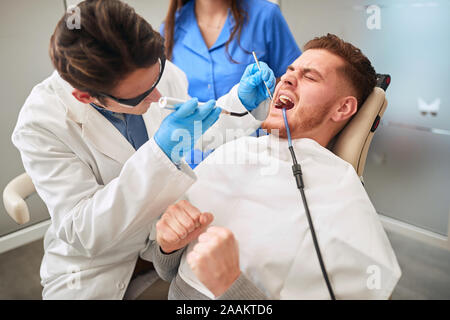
(153, 96)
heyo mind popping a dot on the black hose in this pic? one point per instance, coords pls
(297, 171)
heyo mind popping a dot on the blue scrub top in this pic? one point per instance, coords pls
(209, 71)
(131, 126)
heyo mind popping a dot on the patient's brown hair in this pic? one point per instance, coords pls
(358, 69)
(111, 42)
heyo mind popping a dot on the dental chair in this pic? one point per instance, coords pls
(351, 144)
(14, 196)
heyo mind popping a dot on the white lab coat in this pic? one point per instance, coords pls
(258, 200)
(102, 195)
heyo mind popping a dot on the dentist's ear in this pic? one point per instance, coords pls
(82, 96)
(347, 108)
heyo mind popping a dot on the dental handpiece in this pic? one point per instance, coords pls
(170, 103)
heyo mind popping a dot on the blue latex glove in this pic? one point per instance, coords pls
(176, 136)
(252, 90)
(196, 156)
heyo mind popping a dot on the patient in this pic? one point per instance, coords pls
(259, 245)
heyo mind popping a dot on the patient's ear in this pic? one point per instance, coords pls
(347, 108)
(82, 96)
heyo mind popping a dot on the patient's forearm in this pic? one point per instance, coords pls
(243, 289)
(166, 265)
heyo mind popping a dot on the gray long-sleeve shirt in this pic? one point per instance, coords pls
(167, 267)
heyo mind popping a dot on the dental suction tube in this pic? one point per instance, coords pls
(297, 171)
(171, 104)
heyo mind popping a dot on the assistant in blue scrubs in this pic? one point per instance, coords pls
(209, 71)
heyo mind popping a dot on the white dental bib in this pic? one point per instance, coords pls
(258, 200)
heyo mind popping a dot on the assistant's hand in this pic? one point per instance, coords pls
(252, 90)
(215, 259)
(181, 123)
(179, 225)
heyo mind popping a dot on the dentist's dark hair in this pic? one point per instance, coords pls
(110, 42)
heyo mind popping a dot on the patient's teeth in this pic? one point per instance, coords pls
(286, 103)
(285, 99)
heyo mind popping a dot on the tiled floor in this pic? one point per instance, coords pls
(19, 275)
(19, 272)
(426, 272)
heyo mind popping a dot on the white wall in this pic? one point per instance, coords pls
(154, 11)
(407, 172)
(25, 30)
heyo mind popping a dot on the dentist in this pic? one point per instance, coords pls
(101, 157)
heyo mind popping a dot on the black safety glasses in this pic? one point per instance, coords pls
(133, 102)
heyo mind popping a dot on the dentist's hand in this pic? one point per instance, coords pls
(252, 90)
(180, 124)
(179, 225)
(215, 259)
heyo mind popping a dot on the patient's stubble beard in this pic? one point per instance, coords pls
(302, 123)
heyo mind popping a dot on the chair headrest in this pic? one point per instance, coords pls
(353, 142)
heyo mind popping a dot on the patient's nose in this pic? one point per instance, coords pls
(289, 80)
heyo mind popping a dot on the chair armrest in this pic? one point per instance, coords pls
(14, 195)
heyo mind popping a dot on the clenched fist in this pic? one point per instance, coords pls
(179, 225)
(215, 259)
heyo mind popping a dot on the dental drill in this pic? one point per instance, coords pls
(170, 103)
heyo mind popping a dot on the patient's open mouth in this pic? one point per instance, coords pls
(284, 102)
